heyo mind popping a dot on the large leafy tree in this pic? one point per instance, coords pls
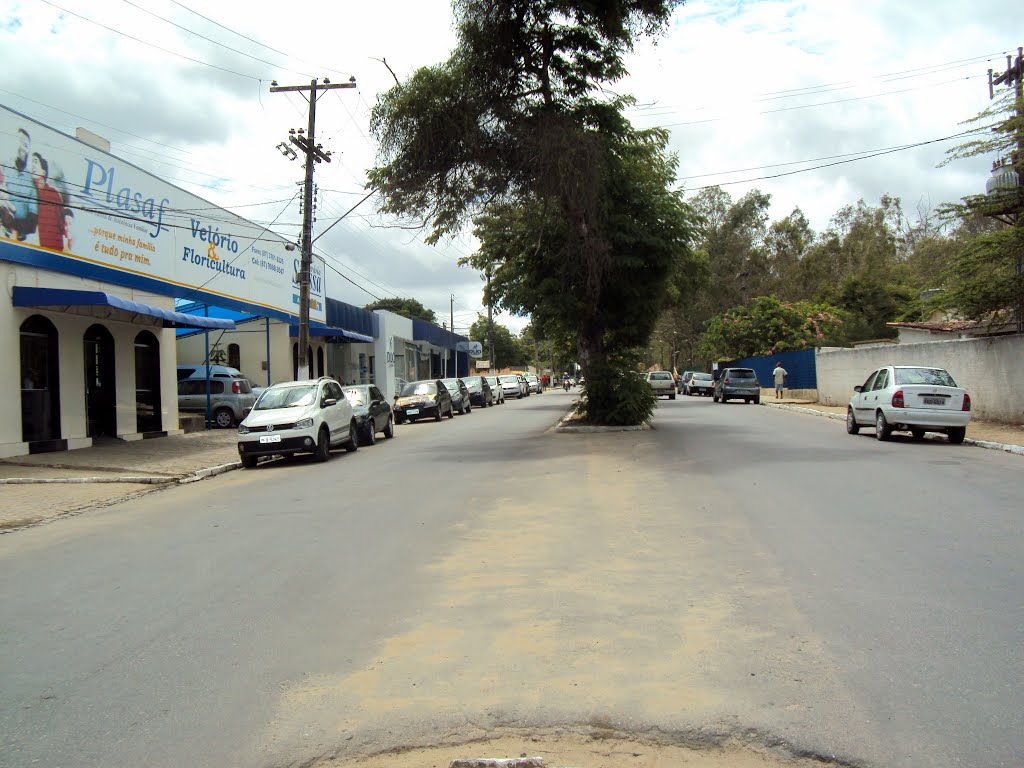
(766, 326)
(515, 128)
(409, 308)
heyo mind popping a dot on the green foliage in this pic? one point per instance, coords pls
(574, 207)
(409, 308)
(508, 350)
(868, 304)
(766, 326)
(617, 394)
(986, 282)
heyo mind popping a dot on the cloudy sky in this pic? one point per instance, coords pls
(770, 94)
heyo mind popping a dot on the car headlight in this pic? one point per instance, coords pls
(304, 423)
(243, 430)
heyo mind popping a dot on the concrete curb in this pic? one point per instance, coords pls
(202, 474)
(1005, 447)
(144, 479)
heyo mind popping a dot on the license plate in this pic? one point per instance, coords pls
(934, 401)
(270, 438)
(412, 411)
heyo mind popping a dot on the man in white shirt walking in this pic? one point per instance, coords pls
(779, 374)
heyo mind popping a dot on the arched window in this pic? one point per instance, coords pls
(234, 356)
(148, 416)
(40, 381)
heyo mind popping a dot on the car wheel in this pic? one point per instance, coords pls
(371, 433)
(389, 429)
(956, 435)
(223, 418)
(852, 427)
(882, 429)
(323, 445)
(352, 444)
(249, 462)
(917, 434)
(451, 412)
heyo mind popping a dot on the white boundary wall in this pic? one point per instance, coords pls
(990, 369)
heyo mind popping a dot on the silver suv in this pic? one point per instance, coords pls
(298, 417)
(230, 399)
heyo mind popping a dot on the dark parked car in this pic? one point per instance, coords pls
(460, 395)
(371, 411)
(480, 392)
(428, 398)
(700, 384)
(738, 384)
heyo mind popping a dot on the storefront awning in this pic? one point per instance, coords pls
(105, 306)
(318, 329)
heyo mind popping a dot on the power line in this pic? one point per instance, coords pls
(152, 45)
(838, 162)
(211, 40)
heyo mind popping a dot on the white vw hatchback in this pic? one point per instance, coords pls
(910, 398)
(298, 417)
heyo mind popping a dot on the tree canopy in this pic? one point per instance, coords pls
(409, 308)
(573, 206)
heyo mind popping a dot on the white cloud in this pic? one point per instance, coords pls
(726, 78)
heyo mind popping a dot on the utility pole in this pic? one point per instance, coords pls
(1014, 75)
(314, 155)
(451, 316)
(490, 324)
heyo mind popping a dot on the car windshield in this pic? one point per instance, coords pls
(661, 376)
(286, 397)
(473, 384)
(355, 396)
(701, 377)
(492, 380)
(452, 384)
(933, 376)
(508, 379)
(419, 388)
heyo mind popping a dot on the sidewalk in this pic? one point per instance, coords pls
(45, 486)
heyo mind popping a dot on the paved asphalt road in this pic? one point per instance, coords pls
(736, 571)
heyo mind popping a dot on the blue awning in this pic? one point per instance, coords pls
(105, 306)
(319, 329)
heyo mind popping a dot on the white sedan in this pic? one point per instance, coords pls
(910, 398)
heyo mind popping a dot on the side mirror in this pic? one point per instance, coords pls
(327, 402)
(858, 388)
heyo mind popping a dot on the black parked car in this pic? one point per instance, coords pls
(428, 398)
(460, 395)
(372, 412)
(480, 392)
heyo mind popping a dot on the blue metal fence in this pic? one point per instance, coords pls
(799, 365)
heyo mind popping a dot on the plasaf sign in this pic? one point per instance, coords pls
(98, 216)
(473, 348)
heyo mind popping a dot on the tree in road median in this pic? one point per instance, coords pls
(580, 227)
